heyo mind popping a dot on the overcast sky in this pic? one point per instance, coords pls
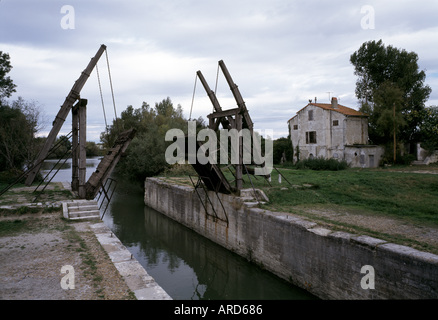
(280, 53)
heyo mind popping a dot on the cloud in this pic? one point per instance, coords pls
(280, 53)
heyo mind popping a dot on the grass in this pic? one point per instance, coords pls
(10, 227)
(20, 194)
(395, 192)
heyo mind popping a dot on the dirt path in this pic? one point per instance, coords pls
(31, 261)
(36, 243)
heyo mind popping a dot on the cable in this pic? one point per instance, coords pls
(101, 98)
(193, 97)
(111, 85)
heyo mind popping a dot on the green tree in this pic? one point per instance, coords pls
(7, 87)
(61, 149)
(429, 129)
(282, 146)
(92, 149)
(19, 123)
(387, 116)
(377, 66)
(145, 155)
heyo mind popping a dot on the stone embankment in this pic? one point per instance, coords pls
(329, 264)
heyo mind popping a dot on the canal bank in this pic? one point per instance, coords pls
(331, 265)
(44, 256)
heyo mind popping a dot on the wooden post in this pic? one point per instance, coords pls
(82, 152)
(63, 112)
(239, 166)
(75, 148)
(395, 148)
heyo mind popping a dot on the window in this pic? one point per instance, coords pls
(310, 115)
(295, 127)
(335, 123)
(310, 137)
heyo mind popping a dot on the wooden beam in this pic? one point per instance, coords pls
(226, 113)
(82, 149)
(75, 148)
(63, 112)
(107, 164)
(239, 166)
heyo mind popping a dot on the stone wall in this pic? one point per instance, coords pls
(326, 263)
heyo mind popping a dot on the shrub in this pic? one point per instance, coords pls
(322, 164)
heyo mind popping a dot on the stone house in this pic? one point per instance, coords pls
(331, 130)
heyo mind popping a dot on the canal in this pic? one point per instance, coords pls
(186, 265)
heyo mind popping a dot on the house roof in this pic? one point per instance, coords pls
(340, 108)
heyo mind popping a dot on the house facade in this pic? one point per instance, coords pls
(331, 130)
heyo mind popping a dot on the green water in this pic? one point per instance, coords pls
(186, 265)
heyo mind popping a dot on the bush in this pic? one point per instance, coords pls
(322, 164)
(406, 159)
(178, 170)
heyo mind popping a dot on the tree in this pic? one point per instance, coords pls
(7, 87)
(19, 124)
(92, 149)
(282, 146)
(389, 121)
(381, 67)
(61, 149)
(429, 129)
(145, 155)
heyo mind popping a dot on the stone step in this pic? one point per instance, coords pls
(85, 217)
(81, 209)
(81, 203)
(84, 213)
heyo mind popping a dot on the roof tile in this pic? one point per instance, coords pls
(340, 108)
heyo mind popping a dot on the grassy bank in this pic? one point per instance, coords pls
(400, 192)
(396, 204)
(409, 195)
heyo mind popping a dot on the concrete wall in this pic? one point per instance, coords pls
(365, 156)
(356, 130)
(327, 264)
(423, 155)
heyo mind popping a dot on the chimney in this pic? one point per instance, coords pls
(334, 103)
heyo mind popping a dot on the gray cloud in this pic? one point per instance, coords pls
(280, 53)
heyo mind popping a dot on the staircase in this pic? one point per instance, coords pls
(81, 209)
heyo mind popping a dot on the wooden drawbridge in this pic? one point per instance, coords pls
(86, 190)
(107, 164)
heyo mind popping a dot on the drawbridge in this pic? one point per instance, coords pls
(211, 175)
(73, 102)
